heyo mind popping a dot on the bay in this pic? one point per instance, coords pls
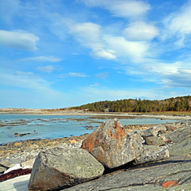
(20, 127)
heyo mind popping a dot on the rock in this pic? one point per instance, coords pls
(152, 140)
(21, 134)
(152, 176)
(152, 153)
(17, 144)
(144, 178)
(154, 131)
(111, 145)
(63, 167)
(28, 164)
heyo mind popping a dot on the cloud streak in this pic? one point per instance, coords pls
(42, 59)
(47, 69)
(178, 25)
(140, 31)
(18, 39)
(121, 8)
(73, 74)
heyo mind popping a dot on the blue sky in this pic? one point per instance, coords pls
(60, 53)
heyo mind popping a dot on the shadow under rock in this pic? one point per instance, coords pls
(22, 185)
(159, 163)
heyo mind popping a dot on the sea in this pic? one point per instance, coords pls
(20, 127)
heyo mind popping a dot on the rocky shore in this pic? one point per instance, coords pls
(25, 152)
(143, 157)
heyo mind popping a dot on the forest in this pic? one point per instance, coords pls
(137, 105)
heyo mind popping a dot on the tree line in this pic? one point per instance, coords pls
(138, 105)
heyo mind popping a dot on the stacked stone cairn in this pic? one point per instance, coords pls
(110, 146)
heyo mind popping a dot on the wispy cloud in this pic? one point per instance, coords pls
(89, 34)
(42, 59)
(121, 8)
(102, 75)
(108, 46)
(48, 68)
(18, 39)
(178, 25)
(140, 31)
(182, 78)
(135, 50)
(73, 74)
(27, 80)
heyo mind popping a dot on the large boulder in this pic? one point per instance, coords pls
(112, 145)
(63, 167)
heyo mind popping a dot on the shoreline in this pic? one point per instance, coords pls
(102, 114)
(24, 153)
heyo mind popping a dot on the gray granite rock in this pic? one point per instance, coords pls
(144, 178)
(63, 167)
(152, 153)
(152, 176)
(154, 131)
(152, 140)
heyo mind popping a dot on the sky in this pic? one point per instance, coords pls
(62, 53)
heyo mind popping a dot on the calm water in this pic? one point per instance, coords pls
(48, 126)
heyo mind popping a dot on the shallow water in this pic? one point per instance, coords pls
(14, 126)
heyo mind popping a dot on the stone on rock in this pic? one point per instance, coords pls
(63, 167)
(154, 131)
(28, 163)
(152, 153)
(152, 140)
(112, 145)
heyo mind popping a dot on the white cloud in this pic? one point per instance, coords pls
(177, 74)
(42, 59)
(106, 46)
(90, 35)
(73, 74)
(140, 31)
(123, 48)
(180, 79)
(178, 24)
(102, 75)
(121, 8)
(47, 68)
(18, 39)
(107, 54)
(164, 68)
